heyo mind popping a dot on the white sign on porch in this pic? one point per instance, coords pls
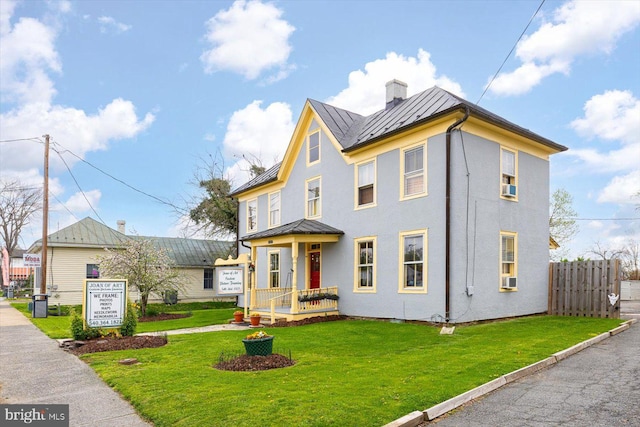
(105, 303)
(230, 280)
(31, 260)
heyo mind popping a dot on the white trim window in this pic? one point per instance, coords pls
(365, 279)
(313, 148)
(252, 215)
(413, 182)
(509, 174)
(313, 198)
(208, 278)
(274, 269)
(366, 184)
(508, 260)
(274, 209)
(413, 266)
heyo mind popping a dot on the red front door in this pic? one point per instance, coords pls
(314, 270)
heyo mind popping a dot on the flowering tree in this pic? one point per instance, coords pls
(147, 268)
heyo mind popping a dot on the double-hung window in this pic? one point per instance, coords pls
(508, 166)
(413, 251)
(366, 183)
(365, 264)
(313, 198)
(413, 173)
(252, 216)
(313, 147)
(274, 269)
(208, 278)
(93, 271)
(508, 260)
(274, 209)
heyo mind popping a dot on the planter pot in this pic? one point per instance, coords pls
(255, 320)
(238, 318)
(259, 347)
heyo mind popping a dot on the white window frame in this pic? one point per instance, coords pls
(358, 265)
(360, 185)
(402, 288)
(309, 200)
(310, 148)
(275, 215)
(509, 177)
(211, 279)
(511, 263)
(276, 271)
(404, 175)
(252, 225)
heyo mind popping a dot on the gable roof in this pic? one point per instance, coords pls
(89, 233)
(302, 226)
(86, 233)
(353, 131)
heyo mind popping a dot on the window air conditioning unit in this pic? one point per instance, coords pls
(508, 190)
(509, 282)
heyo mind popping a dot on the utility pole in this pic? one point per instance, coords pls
(45, 218)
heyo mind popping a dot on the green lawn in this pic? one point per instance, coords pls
(347, 373)
(202, 314)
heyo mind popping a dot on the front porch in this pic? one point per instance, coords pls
(293, 304)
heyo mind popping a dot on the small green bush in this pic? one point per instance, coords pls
(152, 311)
(128, 328)
(79, 332)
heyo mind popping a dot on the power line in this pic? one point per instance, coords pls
(510, 52)
(35, 139)
(164, 202)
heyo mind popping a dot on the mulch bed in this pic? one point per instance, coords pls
(163, 316)
(113, 343)
(255, 363)
(309, 321)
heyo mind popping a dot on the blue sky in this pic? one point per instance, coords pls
(148, 91)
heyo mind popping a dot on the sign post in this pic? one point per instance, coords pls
(104, 303)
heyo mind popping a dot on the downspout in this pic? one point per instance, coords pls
(447, 274)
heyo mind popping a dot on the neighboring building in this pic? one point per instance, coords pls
(73, 251)
(430, 209)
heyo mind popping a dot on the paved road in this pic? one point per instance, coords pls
(599, 386)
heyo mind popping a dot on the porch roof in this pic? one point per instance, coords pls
(302, 226)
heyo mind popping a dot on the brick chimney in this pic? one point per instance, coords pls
(396, 93)
(121, 226)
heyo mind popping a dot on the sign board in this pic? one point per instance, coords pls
(230, 280)
(105, 303)
(31, 260)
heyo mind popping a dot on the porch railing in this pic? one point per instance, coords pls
(299, 301)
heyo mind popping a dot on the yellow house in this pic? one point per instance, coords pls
(72, 255)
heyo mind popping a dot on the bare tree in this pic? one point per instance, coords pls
(146, 268)
(18, 203)
(606, 253)
(631, 260)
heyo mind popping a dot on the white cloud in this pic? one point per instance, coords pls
(80, 202)
(256, 132)
(108, 23)
(577, 28)
(248, 38)
(366, 92)
(613, 115)
(622, 189)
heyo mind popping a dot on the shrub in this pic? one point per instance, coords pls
(79, 332)
(130, 322)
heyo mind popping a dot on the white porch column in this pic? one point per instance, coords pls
(294, 277)
(254, 259)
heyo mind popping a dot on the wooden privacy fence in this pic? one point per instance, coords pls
(582, 288)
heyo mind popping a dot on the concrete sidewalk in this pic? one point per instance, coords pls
(34, 370)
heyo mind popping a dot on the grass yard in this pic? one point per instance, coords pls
(202, 314)
(348, 373)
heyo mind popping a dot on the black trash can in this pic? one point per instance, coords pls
(40, 305)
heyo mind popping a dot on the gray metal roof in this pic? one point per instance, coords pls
(89, 233)
(269, 175)
(302, 226)
(353, 131)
